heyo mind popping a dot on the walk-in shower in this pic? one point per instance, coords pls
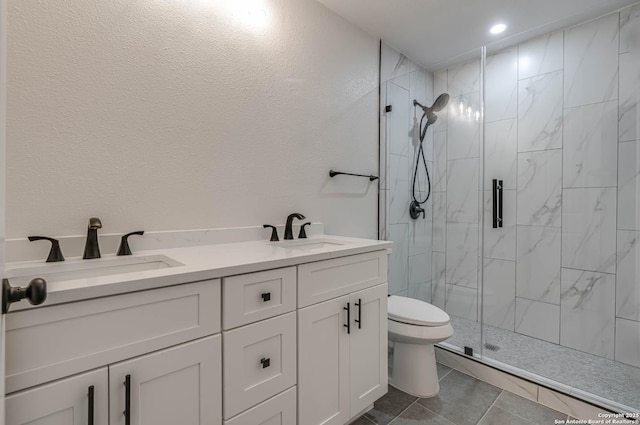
(553, 293)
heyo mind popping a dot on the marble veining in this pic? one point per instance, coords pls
(420, 232)
(499, 302)
(629, 185)
(463, 138)
(439, 175)
(394, 63)
(398, 196)
(462, 254)
(629, 115)
(500, 243)
(540, 188)
(630, 29)
(398, 263)
(500, 153)
(464, 79)
(541, 55)
(538, 263)
(419, 267)
(397, 121)
(540, 112)
(589, 229)
(537, 319)
(501, 86)
(438, 279)
(591, 62)
(462, 302)
(440, 85)
(590, 155)
(439, 242)
(587, 317)
(462, 190)
(628, 275)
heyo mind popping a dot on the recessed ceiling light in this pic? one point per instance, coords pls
(498, 28)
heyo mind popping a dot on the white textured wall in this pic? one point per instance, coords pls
(162, 115)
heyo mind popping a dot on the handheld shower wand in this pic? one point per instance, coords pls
(415, 208)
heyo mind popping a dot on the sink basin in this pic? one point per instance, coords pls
(313, 244)
(83, 269)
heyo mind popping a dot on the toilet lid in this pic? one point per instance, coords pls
(415, 312)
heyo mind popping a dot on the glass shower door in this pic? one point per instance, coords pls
(561, 263)
(457, 198)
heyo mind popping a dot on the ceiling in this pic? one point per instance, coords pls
(438, 33)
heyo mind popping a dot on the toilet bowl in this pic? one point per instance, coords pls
(414, 327)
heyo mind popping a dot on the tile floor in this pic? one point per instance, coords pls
(463, 400)
(615, 381)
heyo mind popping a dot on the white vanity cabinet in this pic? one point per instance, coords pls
(55, 354)
(342, 342)
(303, 344)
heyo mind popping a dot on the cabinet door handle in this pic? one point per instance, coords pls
(127, 400)
(90, 395)
(359, 319)
(348, 325)
(265, 362)
(266, 296)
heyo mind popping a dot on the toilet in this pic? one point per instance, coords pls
(414, 327)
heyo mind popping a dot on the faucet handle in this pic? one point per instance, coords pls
(124, 248)
(303, 233)
(55, 253)
(274, 232)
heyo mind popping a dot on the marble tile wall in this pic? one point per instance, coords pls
(410, 263)
(459, 199)
(562, 130)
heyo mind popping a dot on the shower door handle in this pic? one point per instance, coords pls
(497, 203)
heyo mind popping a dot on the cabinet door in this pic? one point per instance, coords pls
(369, 373)
(180, 385)
(63, 402)
(323, 363)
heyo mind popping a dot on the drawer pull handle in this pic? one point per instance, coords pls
(359, 319)
(266, 296)
(90, 395)
(265, 362)
(348, 325)
(127, 400)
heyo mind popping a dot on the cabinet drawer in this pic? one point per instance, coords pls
(257, 296)
(49, 343)
(279, 410)
(259, 362)
(323, 280)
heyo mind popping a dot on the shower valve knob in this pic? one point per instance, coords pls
(415, 210)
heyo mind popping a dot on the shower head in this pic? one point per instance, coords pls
(440, 103)
(437, 106)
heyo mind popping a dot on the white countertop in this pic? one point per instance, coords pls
(199, 263)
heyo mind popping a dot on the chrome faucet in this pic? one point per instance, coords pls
(288, 230)
(91, 247)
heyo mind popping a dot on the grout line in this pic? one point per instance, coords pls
(431, 411)
(492, 404)
(404, 410)
(448, 372)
